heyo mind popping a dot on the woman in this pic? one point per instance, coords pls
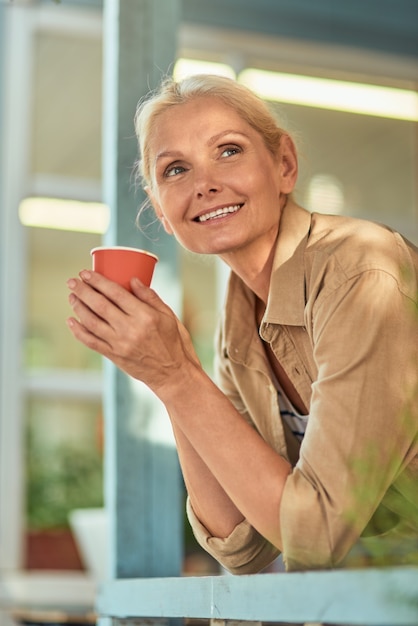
(309, 440)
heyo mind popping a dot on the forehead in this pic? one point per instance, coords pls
(200, 118)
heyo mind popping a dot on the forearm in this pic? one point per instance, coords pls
(237, 467)
(209, 501)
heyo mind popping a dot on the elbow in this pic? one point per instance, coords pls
(315, 533)
(247, 559)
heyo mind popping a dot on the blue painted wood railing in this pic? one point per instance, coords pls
(380, 597)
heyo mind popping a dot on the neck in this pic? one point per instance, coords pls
(253, 263)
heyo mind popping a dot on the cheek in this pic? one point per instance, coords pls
(169, 210)
(174, 200)
(260, 182)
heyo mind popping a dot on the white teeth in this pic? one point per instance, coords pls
(219, 212)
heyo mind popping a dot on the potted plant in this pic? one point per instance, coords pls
(60, 478)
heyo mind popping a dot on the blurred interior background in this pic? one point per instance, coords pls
(358, 156)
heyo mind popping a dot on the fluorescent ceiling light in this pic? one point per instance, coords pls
(189, 67)
(333, 94)
(88, 217)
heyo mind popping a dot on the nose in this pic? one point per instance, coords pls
(209, 192)
(206, 183)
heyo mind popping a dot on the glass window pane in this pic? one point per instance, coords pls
(53, 257)
(67, 110)
(371, 159)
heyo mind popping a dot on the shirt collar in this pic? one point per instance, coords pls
(286, 299)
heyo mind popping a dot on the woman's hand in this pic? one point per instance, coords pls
(136, 331)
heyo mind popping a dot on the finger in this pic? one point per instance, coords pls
(117, 294)
(87, 338)
(120, 296)
(88, 291)
(96, 325)
(106, 321)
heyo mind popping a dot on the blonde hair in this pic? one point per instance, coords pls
(247, 104)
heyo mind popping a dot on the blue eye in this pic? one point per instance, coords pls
(230, 151)
(174, 170)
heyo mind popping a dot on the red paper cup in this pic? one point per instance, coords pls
(120, 264)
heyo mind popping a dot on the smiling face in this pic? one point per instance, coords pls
(215, 185)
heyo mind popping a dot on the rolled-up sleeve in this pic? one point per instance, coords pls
(244, 551)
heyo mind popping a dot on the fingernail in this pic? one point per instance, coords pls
(71, 283)
(85, 275)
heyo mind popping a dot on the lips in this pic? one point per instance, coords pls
(218, 213)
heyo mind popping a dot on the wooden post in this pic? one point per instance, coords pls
(15, 55)
(143, 484)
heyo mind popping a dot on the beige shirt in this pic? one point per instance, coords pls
(342, 320)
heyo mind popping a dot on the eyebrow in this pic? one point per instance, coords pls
(230, 131)
(176, 154)
(167, 153)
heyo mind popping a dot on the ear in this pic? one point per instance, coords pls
(288, 164)
(158, 210)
